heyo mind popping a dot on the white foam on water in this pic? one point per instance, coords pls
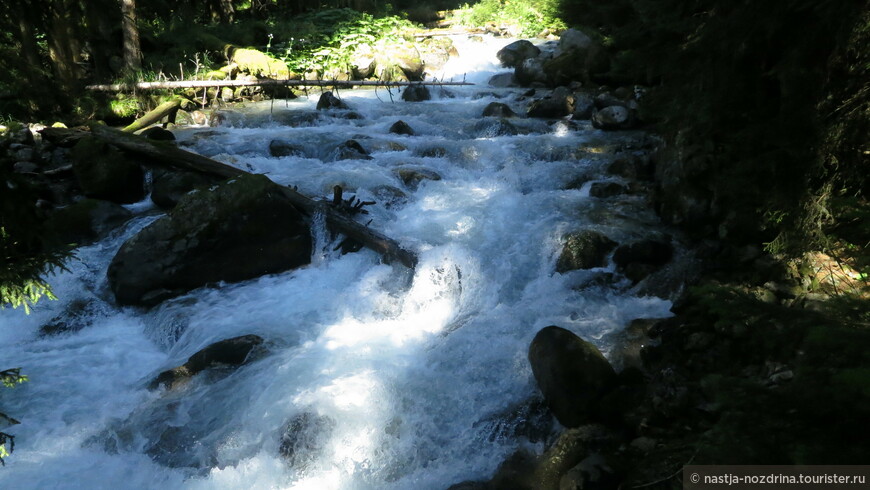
(401, 367)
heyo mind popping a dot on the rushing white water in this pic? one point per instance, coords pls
(397, 379)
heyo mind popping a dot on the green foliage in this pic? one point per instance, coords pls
(810, 417)
(25, 259)
(10, 379)
(324, 41)
(737, 87)
(524, 17)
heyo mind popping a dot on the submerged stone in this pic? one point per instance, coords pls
(230, 352)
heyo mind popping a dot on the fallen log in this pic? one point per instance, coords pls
(118, 87)
(165, 153)
(168, 108)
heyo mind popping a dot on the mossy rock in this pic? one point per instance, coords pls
(168, 186)
(103, 172)
(571, 373)
(584, 250)
(259, 64)
(238, 230)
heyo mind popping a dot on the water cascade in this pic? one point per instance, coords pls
(371, 376)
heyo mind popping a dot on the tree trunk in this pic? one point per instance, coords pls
(259, 83)
(101, 19)
(153, 116)
(27, 38)
(63, 42)
(132, 50)
(170, 155)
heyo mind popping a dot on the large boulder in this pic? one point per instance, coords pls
(584, 107)
(239, 230)
(401, 127)
(230, 352)
(571, 373)
(639, 259)
(493, 127)
(168, 186)
(435, 53)
(502, 80)
(413, 176)
(329, 101)
(612, 118)
(103, 172)
(362, 61)
(85, 222)
(497, 109)
(516, 52)
(531, 71)
(584, 250)
(559, 104)
(578, 58)
(407, 58)
(352, 150)
(283, 148)
(573, 40)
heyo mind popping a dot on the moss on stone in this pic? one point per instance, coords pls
(258, 63)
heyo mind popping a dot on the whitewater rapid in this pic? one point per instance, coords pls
(407, 373)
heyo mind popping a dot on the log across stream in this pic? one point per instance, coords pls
(369, 375)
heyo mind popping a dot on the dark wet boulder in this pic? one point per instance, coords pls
(229, 352)
(584, 107)
(432, 152)
(412, 176)
(352, 150)
(571, 373)
(559, 104)
(497, 109)
(531, 71)
(632, 166)
(391, 197)
(607, 99)
(503, 80)
(578, 58)
(516, 52)
(584, 250)
(530, 420)
(77, 314)
(613, 118)
(574, 40)
(85, 222)
(329, 101)
(416, 93)
(607, 189)
(158, 134)
(492, 127)
(282, 148)
(103, 172)
(304, 437)
(168, 186)
(401, 127)
(639, 259)
(238, 230)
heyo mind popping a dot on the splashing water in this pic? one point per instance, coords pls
(375, 376)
